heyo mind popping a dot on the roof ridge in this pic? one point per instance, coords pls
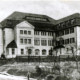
(75, 15)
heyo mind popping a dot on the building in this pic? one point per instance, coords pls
(68, 29)
(27, 34)
(24, 34)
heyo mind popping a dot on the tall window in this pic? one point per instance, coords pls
(61, 33)
(13, 51)
(21, 31)
(67, 31)
(72, 40)
(29, 41)
(43, 33)
(72, 21)
(43, 52)
(67, 41)
(72, 30)
(22, 51)
(37, 51)
(25, 41)
(37, 41)
(50, 34)
(43, 42)
(21, 41)
(36, 32)
(29, 51)
(49, 42)
(25, 32)
(29, 32)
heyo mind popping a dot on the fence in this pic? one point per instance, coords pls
(47, 58)
(41, 59)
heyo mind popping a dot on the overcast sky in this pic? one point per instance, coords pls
(54, 8)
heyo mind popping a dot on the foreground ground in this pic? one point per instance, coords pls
(16, 71)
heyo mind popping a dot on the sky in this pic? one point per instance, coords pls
(54, 8)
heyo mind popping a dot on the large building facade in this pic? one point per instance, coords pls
(23, 34)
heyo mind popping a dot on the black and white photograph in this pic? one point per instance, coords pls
(39, 39)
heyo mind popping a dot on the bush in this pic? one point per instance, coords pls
(38, 71)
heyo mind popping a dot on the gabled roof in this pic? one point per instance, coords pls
(46, 23)
(12, 45)
(76, 15)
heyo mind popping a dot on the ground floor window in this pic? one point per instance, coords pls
(43, 52)
(22, 51)
(13, 51)
(37, 51)
(29, 51)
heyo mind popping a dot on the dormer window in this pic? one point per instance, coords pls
(72, 21)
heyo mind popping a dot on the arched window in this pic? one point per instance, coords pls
(37, 51)
(29, 51)
(43, 52)
(50, 52)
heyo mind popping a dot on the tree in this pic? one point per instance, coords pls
(38, 70)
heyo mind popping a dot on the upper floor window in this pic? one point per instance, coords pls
(72, 40)
(29, 32)
(43, 33)
(67, 31)
(36, 32)
(50, 43)
(37, 41)
(50, 34)
(72, 30)
(21, 31)
(68, 23)
(67, 41)
(43, 42)
(21, 40)
(61, 33)
(72, 21)
(25, 32)
(29, 41)
(25, 41)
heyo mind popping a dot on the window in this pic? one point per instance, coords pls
(43, 33)
(71, 30)
(36, 32)
(57, 34)
(62, 25)
(37, 41)
(29, 41)
(62, 41)
(29, 51)
(43, 52)
(68, 23)
(37, 51)
(43, 42)
(25, 32)
(49, 42)
(21, 40)
(50, 33)
(67, 31)
(13, 51)
(67, 41)
(61, 33)
(72, 21)
(29, 32)
(22, 51)
(25, 41)
(72, 40)
(21, 31)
